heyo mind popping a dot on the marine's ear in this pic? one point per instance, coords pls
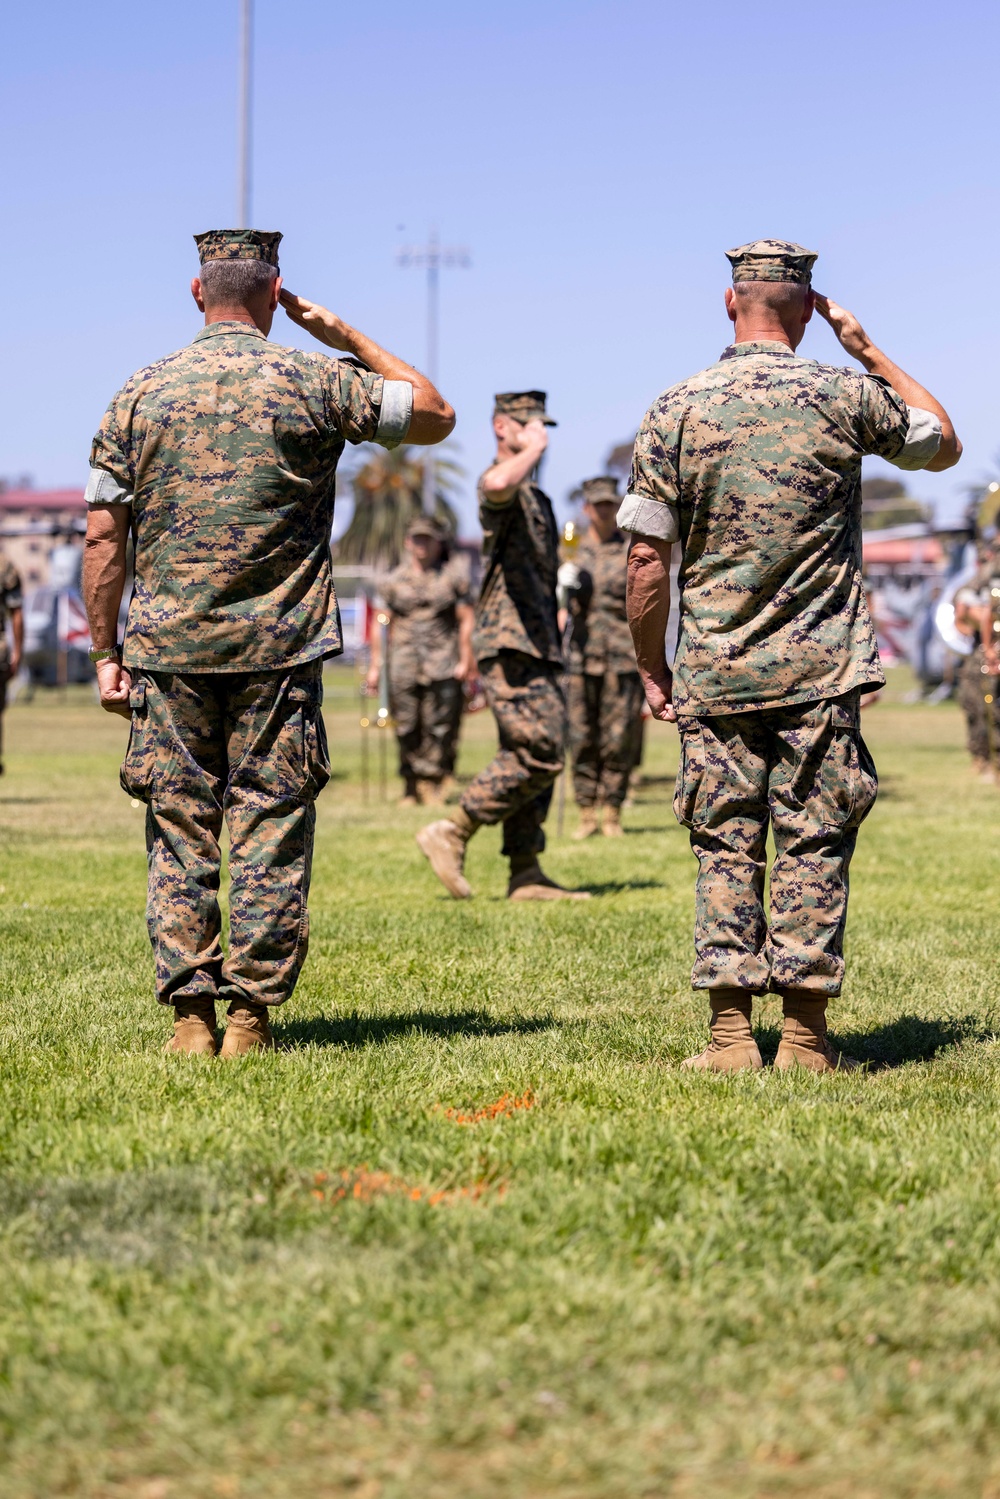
(197, 293)
(275, 294)
(810, 305)
(731, 304)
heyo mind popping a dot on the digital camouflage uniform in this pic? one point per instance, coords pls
(975, 685)
(424, 697)
(516, 642)
(10, 599)
(754, 465)
(226, 451)
(605, 690)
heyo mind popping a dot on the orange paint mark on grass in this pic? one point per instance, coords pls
(508, 1104)
(358, 1184)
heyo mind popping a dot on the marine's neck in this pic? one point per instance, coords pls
(233, 315)
(752, 332)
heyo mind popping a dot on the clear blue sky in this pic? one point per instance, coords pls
(597, 159)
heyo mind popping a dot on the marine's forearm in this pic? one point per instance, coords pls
(466, 622)
(876, 362)
(104, 568)
(647, 605)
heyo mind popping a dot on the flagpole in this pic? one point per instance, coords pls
(246, 114)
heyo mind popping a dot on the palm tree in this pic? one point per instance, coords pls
(388, 493)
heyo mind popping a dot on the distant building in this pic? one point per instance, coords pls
(33, 523)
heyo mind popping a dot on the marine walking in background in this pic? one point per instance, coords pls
(605, 689)
(428, 600)
(517, 644)
(12, 613)
(221, 460)
(754, 466)
(977, 615)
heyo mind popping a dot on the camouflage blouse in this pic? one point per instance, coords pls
(10, 599)
(227, 452)
(758, 462)
(517, 604)
(601, 640)
(422, 602)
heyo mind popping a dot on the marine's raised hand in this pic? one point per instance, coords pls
(317, 320)
(853, 338)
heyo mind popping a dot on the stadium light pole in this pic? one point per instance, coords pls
(246, 111)
(432, 258)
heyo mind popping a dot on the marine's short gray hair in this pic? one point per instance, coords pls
(235, 283)
(771, 294)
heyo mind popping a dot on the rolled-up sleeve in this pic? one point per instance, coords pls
(641, 516)
(923, 438)
(395, 414)
(104, 489)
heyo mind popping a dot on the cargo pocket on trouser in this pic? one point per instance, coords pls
(689, 788)
(849, 779)
(137, 772)
(306, 697)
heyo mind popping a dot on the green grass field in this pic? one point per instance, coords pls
(300, 1274)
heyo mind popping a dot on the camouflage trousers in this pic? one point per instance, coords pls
(427, 722)
(973, 685)
(527, 699)
(605, 734)
(248, 749)
(807, 772)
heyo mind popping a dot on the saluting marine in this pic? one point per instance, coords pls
(428, 600)
(605, 689)
(517, 644)
(221, 460)
(754, 466)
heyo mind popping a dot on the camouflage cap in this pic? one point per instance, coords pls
(425, 525)
(238, 244)
(771, 260)
(597, 491)
(523, 406)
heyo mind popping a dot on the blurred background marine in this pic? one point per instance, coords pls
(754, 465)
(428, 601)
(977, 613)
(12, 616)
(604, 688)
(221, 460)
(517, 644)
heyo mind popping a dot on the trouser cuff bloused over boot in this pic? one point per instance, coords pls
(806, 771)
(527, 700)
(248, 749)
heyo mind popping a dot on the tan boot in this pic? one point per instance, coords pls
(430, 793)
(804, 1040)
(732, 1047)
(612, 825)
(194, 1034)
(588, 825)
(532, 884)
(444, 844)
(248, 1030)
